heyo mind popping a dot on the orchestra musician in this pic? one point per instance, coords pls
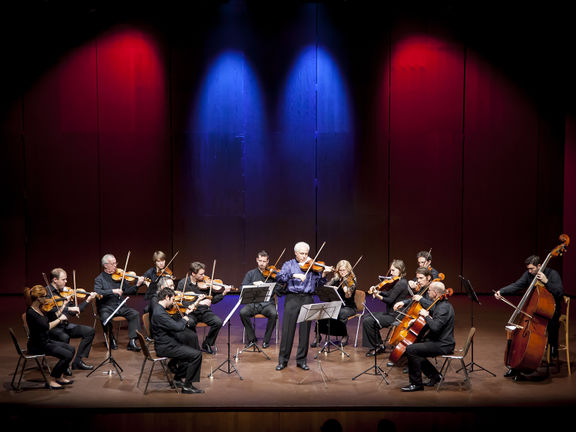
(345, 280)
(371, 336)
(152, 274)
(195, 283)
(66, 330)
(551, 280)
(268, 308)
(111, 291)
(424, 259)
(439, 339)
(300, 287)
(39, 341)
(165, 330)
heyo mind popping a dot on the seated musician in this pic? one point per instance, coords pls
(372, 323)
(66, 330)
(39, 341)
(345, 280)
(267, 308)
(438, 340)
(153, 276)
(553, 284)
(424, 259)
(194, 283)
(111, 291)
(165, 330)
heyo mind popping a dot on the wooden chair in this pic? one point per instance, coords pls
(149, 357)
(460, 357)
(359, 298)
(146, 327)
(564, 321)
(23, 357)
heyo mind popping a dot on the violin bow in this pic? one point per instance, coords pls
(276, 263)
(314, 260)
(212, 278)
(124, 272)
(75, 295)
(166, 266)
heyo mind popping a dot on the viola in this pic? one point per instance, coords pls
(527, 327)
(129, 276)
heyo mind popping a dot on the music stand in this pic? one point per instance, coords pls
(327, 294)
(318, 311)
(474, 299)
(377, 370)
(109, 330)
(255, 294)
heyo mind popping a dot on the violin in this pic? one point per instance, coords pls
(412, 332)
(384, 285)
(315, 266)
(80, 293)
(216, 284)
(165, 272)
(271, 272)
(129, 276)
(54, 302)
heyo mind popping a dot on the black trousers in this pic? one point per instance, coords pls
(188, 337)
(204, 314)
(371, 337)
(292, 305)
(266, 309)
(188, 361)
(70, 330)
(337, 326)
(418, 363)
(63, 352)
(130, 314)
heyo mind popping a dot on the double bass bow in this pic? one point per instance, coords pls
(527, 327)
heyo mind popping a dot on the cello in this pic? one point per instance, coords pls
(526, 328)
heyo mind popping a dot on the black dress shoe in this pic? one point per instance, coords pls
(412, 388)
(51, 387)
(376, 351)
(208, 349)
(190, 389)
(64, 383)
(113, 344)
(67, 372)
(265, 345)
(316, 342)
(303, 366)
(511, 373)
(433, 381)
(132, 345)
(281, 366)
(82, 366)
(344, 341)
(390, 364)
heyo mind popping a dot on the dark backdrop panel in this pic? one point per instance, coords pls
(134, 148)
(60, 135)
(569, 260)
(426, 129)
(500, 178)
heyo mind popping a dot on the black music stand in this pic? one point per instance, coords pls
(255, 294)
(109, 359)
(329, 294)
(230, 365)
(318, 311)
(375, 369)
(473, 299)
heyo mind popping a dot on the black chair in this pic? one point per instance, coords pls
(23, 357)
(148, 357)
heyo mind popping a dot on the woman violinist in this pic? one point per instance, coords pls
(345, 280)
(394, 292)
(39, 341)
(153, 274)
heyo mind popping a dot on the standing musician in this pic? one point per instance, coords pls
(438, 341)
(553, 283)
(167, 344)
(424, 259)
(371, 336)
(111, 292)
(195, 283)
(300, 287)
(267, 308)
(345, 280)
(39, 341)
(66, 330)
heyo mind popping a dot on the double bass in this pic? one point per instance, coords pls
(526, 328)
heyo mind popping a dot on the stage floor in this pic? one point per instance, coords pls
(292, 399)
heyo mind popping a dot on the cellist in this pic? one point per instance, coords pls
(551, 280)
(439, 339)
(371, 337)
(424, 259)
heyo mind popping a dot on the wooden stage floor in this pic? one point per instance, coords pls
(292, 400)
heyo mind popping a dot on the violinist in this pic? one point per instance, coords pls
(345, 280)
(424, 259)
(551, 280)
(300, 287)
(195, 283)
(66, 330)
(257, 276)
(111, 291)
(153, 274)
(39, 341)
(398, 291)
(165, 331)
(439, 339)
